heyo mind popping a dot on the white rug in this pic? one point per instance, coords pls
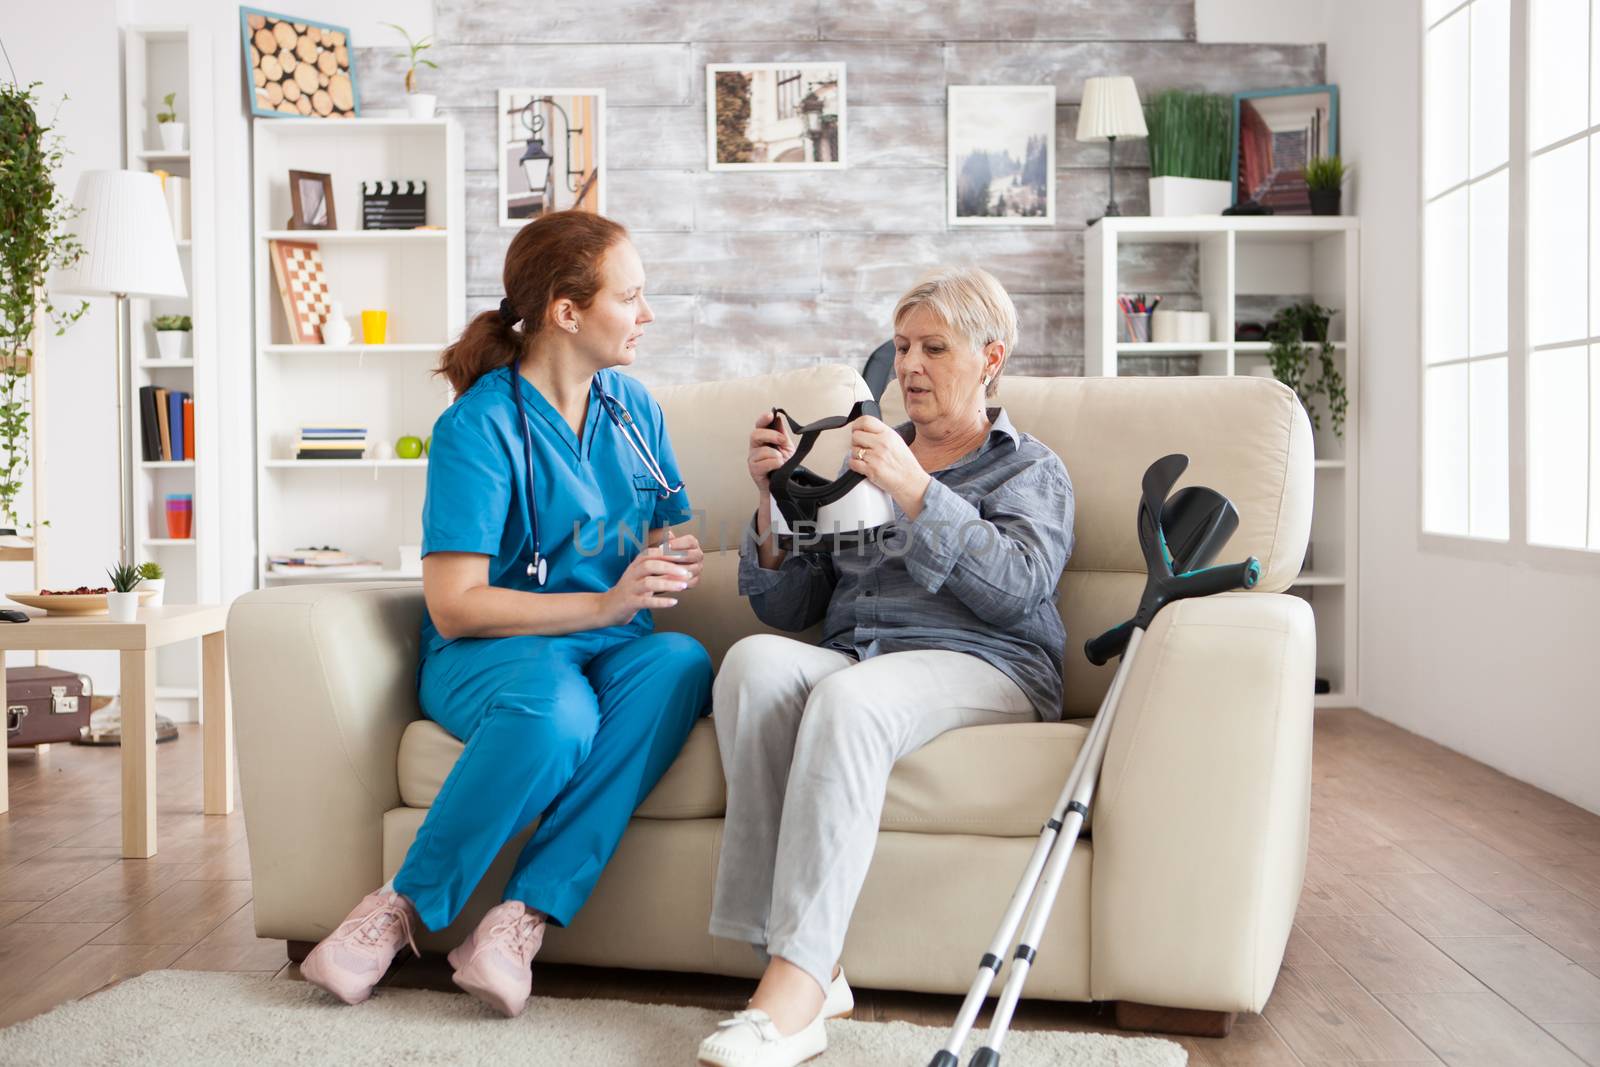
(184, 1017)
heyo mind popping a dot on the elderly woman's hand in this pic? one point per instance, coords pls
(881, 454)
(770, 448)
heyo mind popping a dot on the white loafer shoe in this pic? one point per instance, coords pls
(840, 1002)
(749, 1039)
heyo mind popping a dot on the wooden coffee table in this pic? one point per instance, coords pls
(137, 643)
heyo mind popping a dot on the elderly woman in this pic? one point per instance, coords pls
(947, 620)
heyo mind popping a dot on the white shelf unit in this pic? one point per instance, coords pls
(1242, 269)
(157, 60)
(369, 507)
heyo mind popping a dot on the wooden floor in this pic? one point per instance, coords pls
(1450, 913)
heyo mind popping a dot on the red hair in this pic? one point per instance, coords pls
(554, 256)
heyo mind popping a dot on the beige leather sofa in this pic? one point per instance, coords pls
(1183, 897)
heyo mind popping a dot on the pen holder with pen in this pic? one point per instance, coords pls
(1134, 326)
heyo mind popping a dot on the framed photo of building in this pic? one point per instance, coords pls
(1276, 133)
(775, 116)
(311, 201)
(552, 152)
(1002, 155)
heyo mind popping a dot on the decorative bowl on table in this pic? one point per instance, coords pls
(71, 602)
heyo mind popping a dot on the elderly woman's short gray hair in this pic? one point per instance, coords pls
(970, 301)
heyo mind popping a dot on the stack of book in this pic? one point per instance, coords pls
(166, 423)
(331, 442)
(320, 561)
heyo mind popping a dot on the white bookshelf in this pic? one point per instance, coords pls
(1243, 267)
(158, 59)
(369, 506)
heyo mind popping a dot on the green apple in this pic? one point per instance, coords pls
(408, 447)
(427, 445)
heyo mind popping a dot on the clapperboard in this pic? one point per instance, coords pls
(393, 205)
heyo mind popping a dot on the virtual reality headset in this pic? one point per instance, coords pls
(811, 513)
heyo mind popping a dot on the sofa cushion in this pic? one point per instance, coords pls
(991, 781)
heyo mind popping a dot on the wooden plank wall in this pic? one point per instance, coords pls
(751, 273)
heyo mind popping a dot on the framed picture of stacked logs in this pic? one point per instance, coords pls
(298, 68)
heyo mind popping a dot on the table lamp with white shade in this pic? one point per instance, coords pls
(128, 250)
(1111, 109)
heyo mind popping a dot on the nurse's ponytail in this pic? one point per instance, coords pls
(556, 255)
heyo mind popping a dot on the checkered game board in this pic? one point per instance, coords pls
(303, 285)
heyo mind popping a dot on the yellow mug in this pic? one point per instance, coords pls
(374, 326)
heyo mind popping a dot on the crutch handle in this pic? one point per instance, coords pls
(1103, 649)
(1219, 579)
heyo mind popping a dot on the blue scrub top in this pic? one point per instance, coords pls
(584, 489)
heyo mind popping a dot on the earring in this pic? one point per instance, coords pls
(573, 328)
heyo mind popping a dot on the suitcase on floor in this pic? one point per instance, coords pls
(45, 705)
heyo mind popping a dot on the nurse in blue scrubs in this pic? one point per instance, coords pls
(548, 542)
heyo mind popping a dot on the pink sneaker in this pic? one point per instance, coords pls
(349, 962)
(495, 963)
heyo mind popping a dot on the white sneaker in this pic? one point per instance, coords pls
(840, 1002)
(750, 1039)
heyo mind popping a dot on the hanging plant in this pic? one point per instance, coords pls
(33, 217)
(1291, 358)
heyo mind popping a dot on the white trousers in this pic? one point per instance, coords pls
(808, 737)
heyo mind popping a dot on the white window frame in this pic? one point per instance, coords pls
(1516, 547)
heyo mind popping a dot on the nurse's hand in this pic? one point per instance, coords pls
(642, 587)
(685, 550)
(770, 448)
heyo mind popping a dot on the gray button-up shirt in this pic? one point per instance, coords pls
(975, 572)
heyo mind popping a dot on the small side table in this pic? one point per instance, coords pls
(137, 642)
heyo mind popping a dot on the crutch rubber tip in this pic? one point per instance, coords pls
(985, 1057)
(944, 1058)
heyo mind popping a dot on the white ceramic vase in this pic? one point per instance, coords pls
(158, 586)
(1189, 196)
(336, 328)
(122, 607)
(172, 136)
(173, 344)
(420, 105)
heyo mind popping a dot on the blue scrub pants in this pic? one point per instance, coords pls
(578, 729)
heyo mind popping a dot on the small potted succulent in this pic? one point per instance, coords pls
(153, 579)
(418, 105)
(122, 603)
(167, 122)
(1324, 179)
(173, 336)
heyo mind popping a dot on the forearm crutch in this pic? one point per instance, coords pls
(1179, 534)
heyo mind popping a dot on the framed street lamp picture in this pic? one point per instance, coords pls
(1002, 155)
(552, 152)
(775, 116)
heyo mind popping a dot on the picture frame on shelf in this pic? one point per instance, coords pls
(311, 201)
(1276, 132)
(776, 116)
(541, 172)
(1001, 146)
(298, 67)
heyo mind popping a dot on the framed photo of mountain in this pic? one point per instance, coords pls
(1002, 155)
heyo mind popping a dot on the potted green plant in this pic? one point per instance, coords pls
(122, 603)
(418, 105)
(1324, 180)
(36, 242)
(1297, 337)
(167, 123)
(153, 579)
(1190, 147)
(173, 336)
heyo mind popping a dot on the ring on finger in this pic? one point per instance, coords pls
(861, 454)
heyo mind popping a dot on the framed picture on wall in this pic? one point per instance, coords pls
(775, 116)
(552, 152)
(1002, 155)
(298, 68)
(1276, 132)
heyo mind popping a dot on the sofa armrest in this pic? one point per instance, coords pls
(1203, 806)
(324, 683)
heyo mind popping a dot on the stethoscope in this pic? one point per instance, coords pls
(537, 565)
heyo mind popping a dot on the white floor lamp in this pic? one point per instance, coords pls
(128, 250)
